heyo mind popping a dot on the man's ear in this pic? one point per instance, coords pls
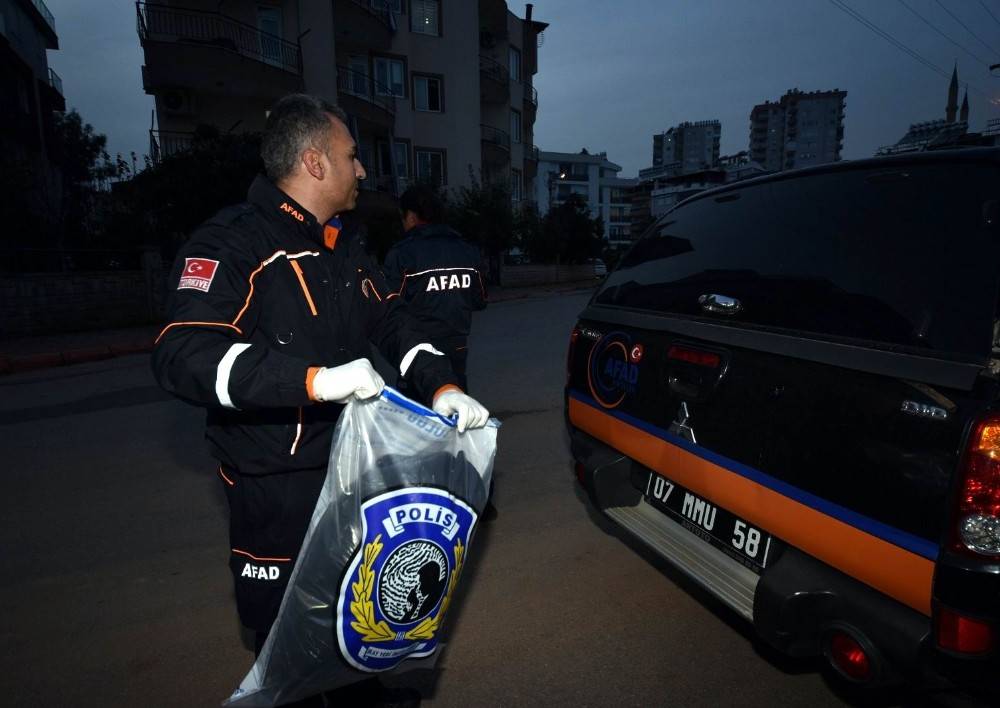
(312, 160)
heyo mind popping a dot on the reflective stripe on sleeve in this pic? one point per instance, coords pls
(404, 365)
(223, 372)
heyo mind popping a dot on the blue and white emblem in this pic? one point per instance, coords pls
(397, 589)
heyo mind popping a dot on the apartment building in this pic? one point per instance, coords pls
(32, 92)
(688, 147)
(438, 90)
(798, 130)
(593, 178)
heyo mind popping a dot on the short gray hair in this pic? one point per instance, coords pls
(296, 122)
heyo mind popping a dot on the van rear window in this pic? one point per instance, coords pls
(900, 256)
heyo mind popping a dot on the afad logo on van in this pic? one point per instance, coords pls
(397, 588)
(613, 368)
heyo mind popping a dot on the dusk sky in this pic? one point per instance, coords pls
(613, 73)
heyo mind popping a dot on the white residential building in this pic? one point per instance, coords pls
(594, 178)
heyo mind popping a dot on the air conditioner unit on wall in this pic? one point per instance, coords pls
(177, 102)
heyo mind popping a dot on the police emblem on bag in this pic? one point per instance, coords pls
(397, 589)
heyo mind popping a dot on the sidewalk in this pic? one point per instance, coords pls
(43, 351)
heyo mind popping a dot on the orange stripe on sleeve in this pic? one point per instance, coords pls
(246, 303)
(305, 288)
(196, 324)
(445, 389)
(310, 375)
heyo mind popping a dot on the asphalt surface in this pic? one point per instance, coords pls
(115, 590)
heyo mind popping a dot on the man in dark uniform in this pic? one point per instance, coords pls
(273, 310)
(436, 272)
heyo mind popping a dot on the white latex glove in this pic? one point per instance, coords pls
(339, 383)
(471, 413)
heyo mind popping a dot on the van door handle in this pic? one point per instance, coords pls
(720, 304)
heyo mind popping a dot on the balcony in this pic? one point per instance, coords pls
(530, 160)
(366, 100)
(494, 81)
(164, 143)
(51, 93)
(43, 20)
(492, 23)
(358, 25)
(530, 98)
(214, 53)
(496, 146)
(55, 82)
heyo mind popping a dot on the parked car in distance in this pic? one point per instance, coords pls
(789, 388)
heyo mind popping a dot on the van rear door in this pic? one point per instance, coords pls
(854, 311)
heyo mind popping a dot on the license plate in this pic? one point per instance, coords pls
(710, 522)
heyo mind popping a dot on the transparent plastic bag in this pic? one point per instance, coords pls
(383, 552)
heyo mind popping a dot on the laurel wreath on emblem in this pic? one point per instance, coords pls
(364, 610)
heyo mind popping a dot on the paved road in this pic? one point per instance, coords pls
(115, 591)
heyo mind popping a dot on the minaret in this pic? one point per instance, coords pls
(964, 115)
(952, 96)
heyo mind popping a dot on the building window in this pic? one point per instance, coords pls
(427, 93)
(390, 5)
(365, 157)
(390, 77)
(400, 156)
(514, 61)
(515, 126)
(269, 24)
(425, 17)
(357, 82)
(430, 165)
(516, 186)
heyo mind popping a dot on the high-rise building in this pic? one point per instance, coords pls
(437, 90)
(798, 130)
(594, 179)
(32, 91)
(688, 147)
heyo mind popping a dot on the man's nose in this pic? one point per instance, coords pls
(359, 169)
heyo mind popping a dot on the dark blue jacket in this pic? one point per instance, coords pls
(436, 272)
(261, 293)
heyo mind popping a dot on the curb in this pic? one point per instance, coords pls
(46, 360)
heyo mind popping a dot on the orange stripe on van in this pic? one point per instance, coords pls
(895, 571)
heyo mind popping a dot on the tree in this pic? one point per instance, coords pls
(164, 203)
(528, 234)
(569, 234)
(83, 165)
(483, 214)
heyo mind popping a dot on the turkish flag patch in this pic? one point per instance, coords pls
(197, 274)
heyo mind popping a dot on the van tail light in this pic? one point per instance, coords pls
(976, 527)
(573, 336)
(958, 633)
(849, 657)
(698, 357)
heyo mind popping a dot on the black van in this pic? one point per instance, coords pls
(788, 388)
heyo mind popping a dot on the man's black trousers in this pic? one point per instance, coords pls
(268, 518)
